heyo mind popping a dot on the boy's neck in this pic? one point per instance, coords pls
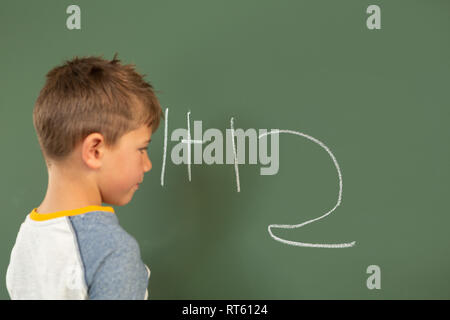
(69, 190)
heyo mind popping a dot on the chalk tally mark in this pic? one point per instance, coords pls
(287, 226)
(236, 168)
(189, 145)
(166, 123)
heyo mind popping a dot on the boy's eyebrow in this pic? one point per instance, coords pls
(148, 141)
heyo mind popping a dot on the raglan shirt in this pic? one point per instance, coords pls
(76, 254)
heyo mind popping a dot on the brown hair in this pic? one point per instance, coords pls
(91, 94)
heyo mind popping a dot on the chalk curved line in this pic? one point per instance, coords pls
(288, 226)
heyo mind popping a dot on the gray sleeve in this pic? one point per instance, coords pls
(111, 258)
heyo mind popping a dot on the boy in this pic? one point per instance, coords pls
(94, 119)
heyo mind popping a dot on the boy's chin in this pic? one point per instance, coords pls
(120, 201)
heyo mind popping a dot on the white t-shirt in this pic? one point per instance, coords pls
(76, 254)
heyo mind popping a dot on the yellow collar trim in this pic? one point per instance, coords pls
(58, 214)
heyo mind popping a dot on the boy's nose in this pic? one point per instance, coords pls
(147, 165)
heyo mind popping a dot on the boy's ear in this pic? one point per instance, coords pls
(92, 150)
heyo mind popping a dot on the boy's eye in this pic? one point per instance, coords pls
(143, 149)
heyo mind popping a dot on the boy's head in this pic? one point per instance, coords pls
(98, 115)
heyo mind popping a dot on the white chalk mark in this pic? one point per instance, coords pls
(236, 169)
(189, 145)
(166, 124)
(191, 141)
(287, 226)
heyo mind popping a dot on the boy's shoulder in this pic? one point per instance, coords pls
(111, 257)
(101, 231)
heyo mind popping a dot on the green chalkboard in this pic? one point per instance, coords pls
(364, 93)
